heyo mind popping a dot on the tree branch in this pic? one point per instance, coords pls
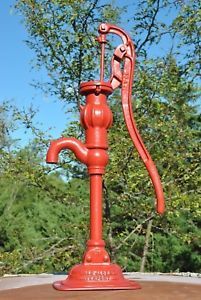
(138, 227)
(149, 31)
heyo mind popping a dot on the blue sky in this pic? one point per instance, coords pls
(16, 74)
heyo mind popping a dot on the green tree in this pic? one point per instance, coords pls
(170, 127)
(41, 227)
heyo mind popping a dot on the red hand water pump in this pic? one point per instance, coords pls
(96, 271)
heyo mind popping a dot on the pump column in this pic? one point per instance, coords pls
(96, 208)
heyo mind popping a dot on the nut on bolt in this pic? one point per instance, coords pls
(88, 258)
(105, 258)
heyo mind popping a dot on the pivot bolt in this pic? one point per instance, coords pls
(122, 49)
(103, 27)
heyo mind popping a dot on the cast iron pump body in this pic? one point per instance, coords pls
(96, 271)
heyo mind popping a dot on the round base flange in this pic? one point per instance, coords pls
(95, 277)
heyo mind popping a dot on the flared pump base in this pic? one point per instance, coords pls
(95, 277)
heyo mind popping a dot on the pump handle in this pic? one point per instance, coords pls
(126, 53)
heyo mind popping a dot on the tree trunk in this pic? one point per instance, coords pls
(146, 245)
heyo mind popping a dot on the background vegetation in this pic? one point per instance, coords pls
(45, 210)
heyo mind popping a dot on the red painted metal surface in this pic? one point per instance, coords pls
(96, 271)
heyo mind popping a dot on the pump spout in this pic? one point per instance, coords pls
(79, 149)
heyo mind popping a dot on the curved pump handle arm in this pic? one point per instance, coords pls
(126, 53)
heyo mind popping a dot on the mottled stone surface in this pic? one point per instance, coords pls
(150, 291)
(155, 286)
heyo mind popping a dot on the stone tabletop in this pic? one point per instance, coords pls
(23, 280)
